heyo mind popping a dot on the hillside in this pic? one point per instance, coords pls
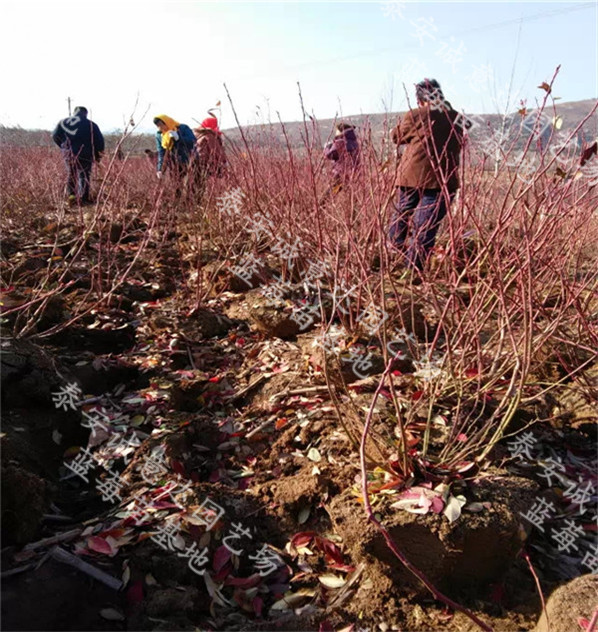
(320, 130)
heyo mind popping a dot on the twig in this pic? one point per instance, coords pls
(299, 391)
(343, 593)
(55, 539)
(237, 396)
(258, 429)
(593, 622)
(60, 555)
(533, 572)
(17, 570)
(191, 362)
(56, 518)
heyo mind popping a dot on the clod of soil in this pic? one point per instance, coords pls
(260, 312)
(578, 598)
(24, 500)
(103, 374)
(476, 548)
(27, 375)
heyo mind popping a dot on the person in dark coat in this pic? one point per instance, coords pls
(428, 172)
(344, 152)
(82, 143)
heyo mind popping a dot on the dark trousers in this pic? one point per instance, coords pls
(420, 210)
(79, 177)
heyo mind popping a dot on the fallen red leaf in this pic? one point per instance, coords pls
(280, 423)
(385, 393)
(331, 551)
(258, 604)
(144, 536)
(221, 556)
(303, 538)
(135, 592)
(239, 597)
(178, 468)
(416, 395)
(115, 533)
(99, 545)
(223, 573)
(445, 616)
(164, 504)
(245, 483)
(395, 482)
(326, 627)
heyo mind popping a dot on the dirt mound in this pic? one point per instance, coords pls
(564, 607)
(25, 497)
(477, 548)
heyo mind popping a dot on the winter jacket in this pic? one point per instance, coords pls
(344, 150)
(434, 140)
(78, 136)
(183, 147)
(209, 152)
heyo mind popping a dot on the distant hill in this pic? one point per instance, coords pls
(293, 133)
(19, 137)
(378, 125)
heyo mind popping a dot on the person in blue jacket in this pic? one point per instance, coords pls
(174, 143)
(82, 143)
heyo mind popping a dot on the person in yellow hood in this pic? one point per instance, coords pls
(174, 143)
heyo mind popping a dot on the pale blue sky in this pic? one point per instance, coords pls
(350, 58)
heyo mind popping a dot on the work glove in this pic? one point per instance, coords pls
(174, 135)
(159, 174)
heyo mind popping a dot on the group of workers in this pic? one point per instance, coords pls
(426, 179)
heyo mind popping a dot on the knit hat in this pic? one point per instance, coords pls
(211, 123)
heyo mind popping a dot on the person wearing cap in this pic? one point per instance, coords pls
(210, 159)
(427, 176)
(82, 143)
(174, 146)
(344, 152)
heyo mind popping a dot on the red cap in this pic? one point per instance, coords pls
(211, 123)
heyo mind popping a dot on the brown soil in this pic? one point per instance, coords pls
(578, 598)
(477, 548)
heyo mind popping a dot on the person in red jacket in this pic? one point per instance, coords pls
(209, 157)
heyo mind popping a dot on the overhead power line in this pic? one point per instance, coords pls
(486, 27)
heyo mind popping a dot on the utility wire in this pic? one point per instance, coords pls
(487, 27)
